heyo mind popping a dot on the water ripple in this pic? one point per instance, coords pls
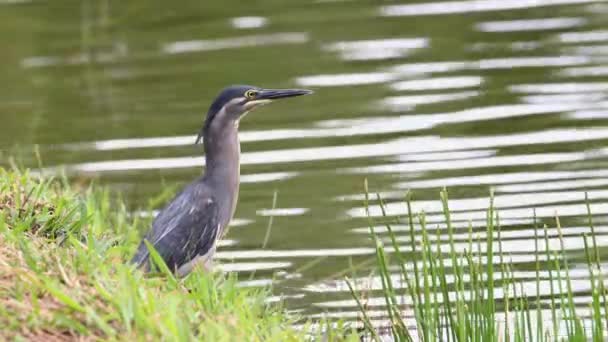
(377, 49)
(438, 83)
(236, 42)
(248, 22)
(454, 7)
(530, 24)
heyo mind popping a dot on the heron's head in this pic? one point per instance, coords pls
(236, 101)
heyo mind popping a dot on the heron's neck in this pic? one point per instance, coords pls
(222, 150)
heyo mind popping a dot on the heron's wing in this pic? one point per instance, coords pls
(186, 227)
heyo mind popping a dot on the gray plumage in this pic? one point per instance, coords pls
(186, 230)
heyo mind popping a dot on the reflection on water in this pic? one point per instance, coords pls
(455, 7)
(377, 48)
(438, 83)
(235, 43)
(249, 22)
(513, 96)
(530, 24)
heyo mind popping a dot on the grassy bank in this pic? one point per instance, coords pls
(63, 275)
(465, 288)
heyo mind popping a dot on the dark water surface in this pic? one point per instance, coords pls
(420, 95)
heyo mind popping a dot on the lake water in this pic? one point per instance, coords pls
(466, 94)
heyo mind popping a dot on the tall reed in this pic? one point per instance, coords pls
(473, 294)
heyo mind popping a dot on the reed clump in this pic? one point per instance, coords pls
(435, 291)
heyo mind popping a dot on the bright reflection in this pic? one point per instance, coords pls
(453, 7)
(551, 186)
(248, 22)
(267, 177)
(235, 43)
(398, 147)
(502, 178)
(501, 201)
(588, 115)
(458, 225)
(282, 212)
(438, 83)
(375, 282)
(530, 24)
(340, 80)
(522, 62)
(583, 37)
(568, 97)
(300, 253)
(119, 51)
(600, 50)
(253, 266)
(584, 71)
(452, 155)
(514, 206)
(376, 49)
(256, 283)
(408, 101)
(559, 88)
(429, 68)
(547, 287)
(478, 163)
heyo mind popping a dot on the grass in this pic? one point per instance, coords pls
(456, 295)
(64, 275)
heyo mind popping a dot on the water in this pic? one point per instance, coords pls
(465, 94)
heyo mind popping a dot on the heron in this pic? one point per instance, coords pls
(185, 232)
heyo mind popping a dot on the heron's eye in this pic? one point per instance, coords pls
(251, 94)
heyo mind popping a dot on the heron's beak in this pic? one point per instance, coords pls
(274, 94)
(268, 95)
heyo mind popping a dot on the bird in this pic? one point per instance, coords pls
(185, 232)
